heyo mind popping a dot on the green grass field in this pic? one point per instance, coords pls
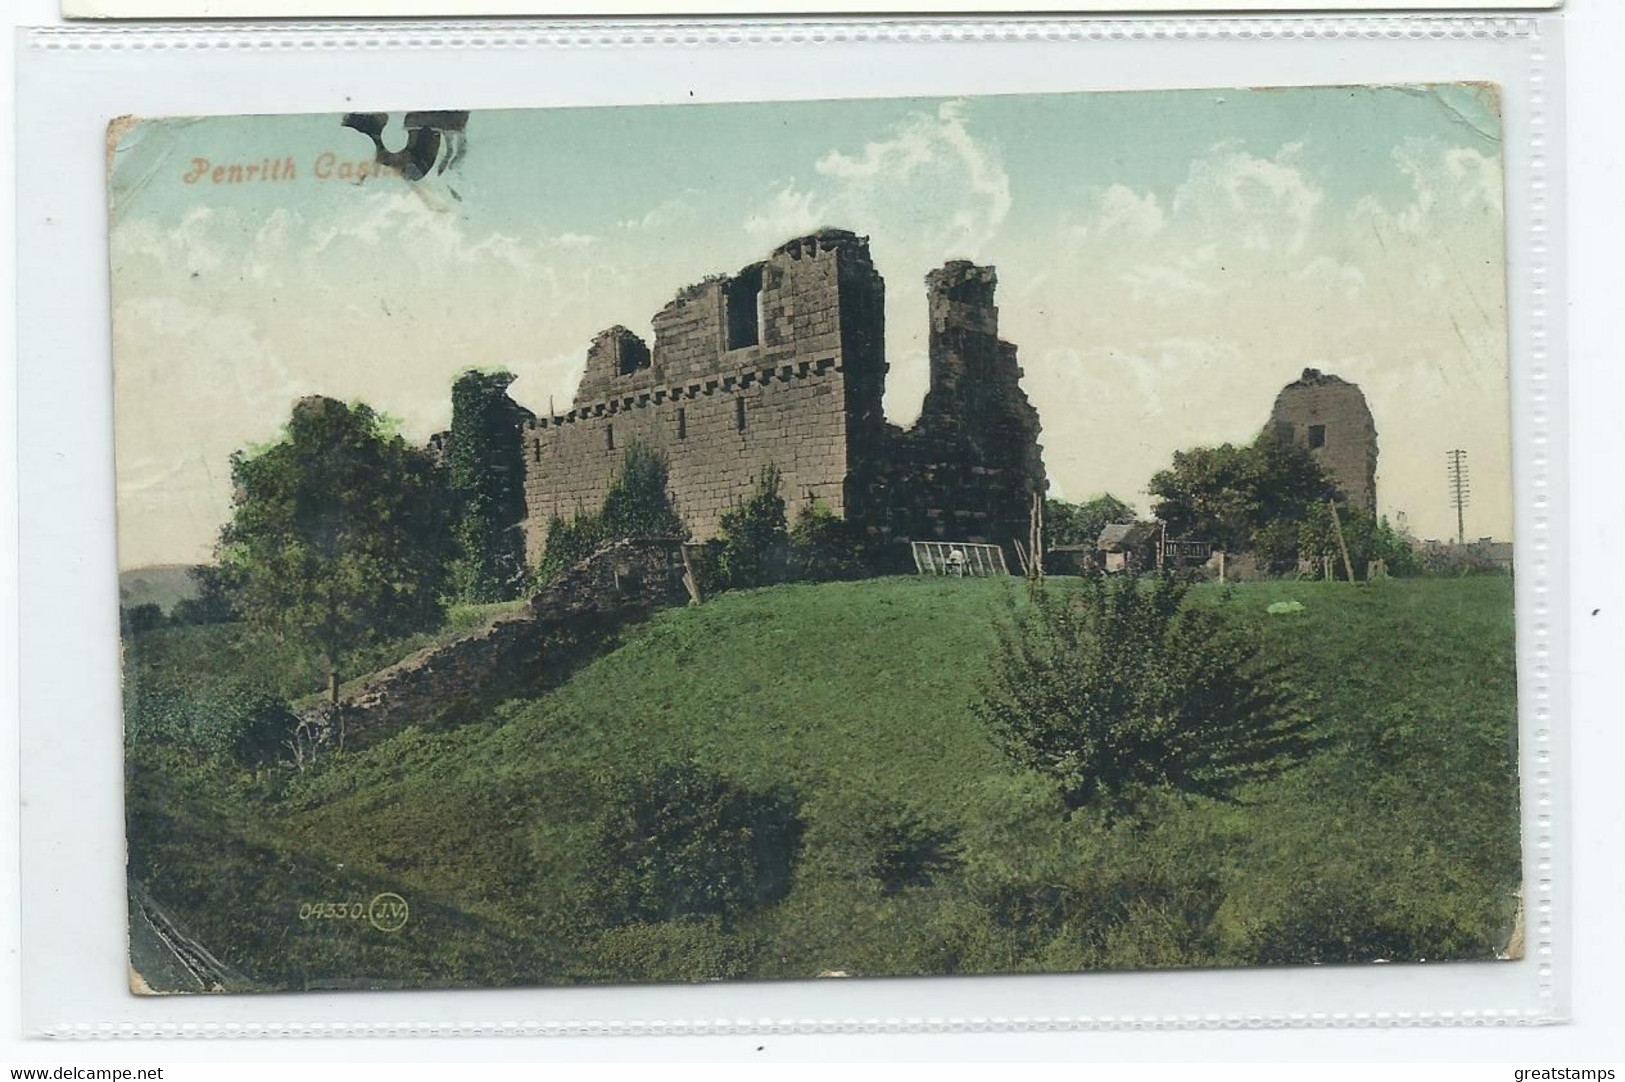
(1398, 840)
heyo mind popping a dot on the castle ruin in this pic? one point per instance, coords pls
(783, 363)
(1329, 416)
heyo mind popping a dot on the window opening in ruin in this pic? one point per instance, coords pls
(609, 436)
(739, 414)
(743, 295)
(1317, 436)
(682, 422)
(536, 450)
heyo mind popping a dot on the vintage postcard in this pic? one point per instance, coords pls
(843, 539)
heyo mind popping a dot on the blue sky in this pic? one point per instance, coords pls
(1167, 261)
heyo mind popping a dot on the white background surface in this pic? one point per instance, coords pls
(1596, 37)
(220, 9)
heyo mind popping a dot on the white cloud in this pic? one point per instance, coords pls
(929, 170)
(1266, 204)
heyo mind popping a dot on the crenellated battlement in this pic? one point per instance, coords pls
(656, 396)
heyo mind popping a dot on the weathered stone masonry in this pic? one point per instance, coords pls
(784, 363)
(622, 581)
(1329, 416)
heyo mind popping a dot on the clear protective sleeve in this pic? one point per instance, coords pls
(73, 82)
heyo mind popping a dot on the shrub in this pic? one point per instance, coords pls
(134, 619)
(569, 541)
(825, 547)
(907, 850)
(1117, 690)
(636, 505)
(678, 843)
(754, 541)
(240, 722)
(1368, 538)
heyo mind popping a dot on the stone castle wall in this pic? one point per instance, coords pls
(783, 364)
(1329, 415)
(760, 368)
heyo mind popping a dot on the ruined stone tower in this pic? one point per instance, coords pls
(1329, 416)
(783, 363)
(968, 467)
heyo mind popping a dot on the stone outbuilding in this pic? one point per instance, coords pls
(1129, 546)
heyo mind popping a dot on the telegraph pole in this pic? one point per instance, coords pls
(1460, 490)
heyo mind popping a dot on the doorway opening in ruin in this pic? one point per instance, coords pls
(744, 300)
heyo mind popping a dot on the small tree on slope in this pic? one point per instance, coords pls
(339, 535)
(1114, 690)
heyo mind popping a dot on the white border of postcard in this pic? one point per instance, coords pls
(445, 9)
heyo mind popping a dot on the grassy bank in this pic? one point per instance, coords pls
(918, 848)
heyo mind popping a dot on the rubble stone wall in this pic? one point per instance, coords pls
(621, 580)
(1329, 415)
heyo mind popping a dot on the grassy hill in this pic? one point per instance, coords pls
(918, 848)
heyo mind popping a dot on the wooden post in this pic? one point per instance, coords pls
(1033, 560)
(1038, 538)
(1162, 543)
(1337, 528)
(690, 582)
(1221, 565)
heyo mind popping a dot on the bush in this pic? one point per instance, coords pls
(906, 849)
(824, 547)
(213, 604)
(1368, 538)
(1115, 691)
(636, 505)
(242, 723)
(678, 844)
(135, 619)
(753, 542)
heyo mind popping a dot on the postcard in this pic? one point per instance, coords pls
(816, 540)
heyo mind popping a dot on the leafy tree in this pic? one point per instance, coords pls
(1230, 495)
(638, 504)
(678, 844)
(1119, 690)
(753, 539)
(486, 477)
(1067, 523)
(338, 537)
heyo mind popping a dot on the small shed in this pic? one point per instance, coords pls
(1072, 559)
(1129, 546)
